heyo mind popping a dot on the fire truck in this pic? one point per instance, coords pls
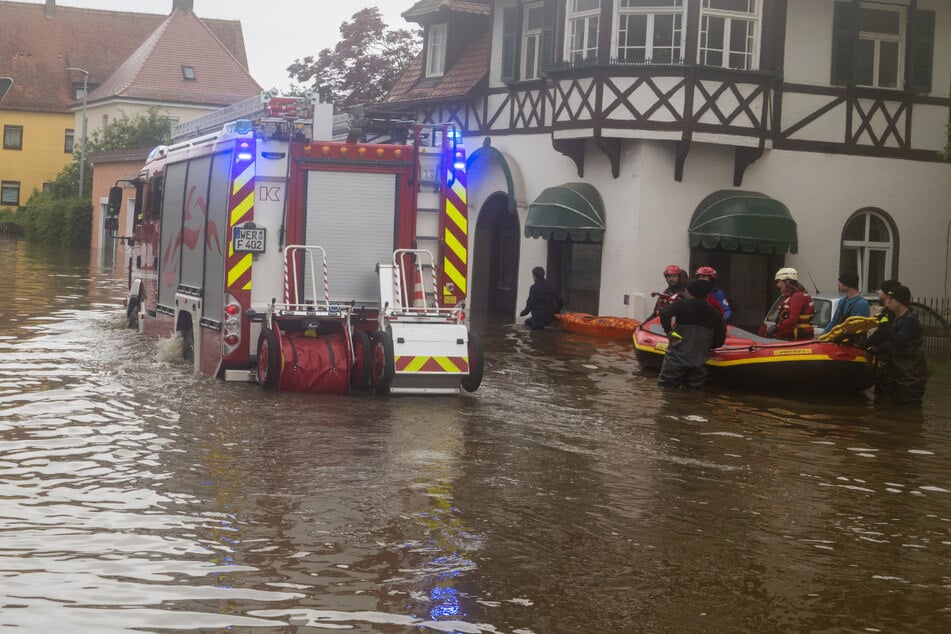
(307, 265)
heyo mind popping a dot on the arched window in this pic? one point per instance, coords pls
(870, 248)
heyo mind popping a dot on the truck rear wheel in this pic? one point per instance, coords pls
(472, 381)
(268, 370)
(381, 364)
(132, 314)
(362, 359)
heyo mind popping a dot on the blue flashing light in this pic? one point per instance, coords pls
(459, 166)
(243, 126)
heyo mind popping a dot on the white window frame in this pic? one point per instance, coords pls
(862, 248)
(529, 36)
(754, 15)
(436, 50)
(878, 38)
(582, 19)
(651, 13)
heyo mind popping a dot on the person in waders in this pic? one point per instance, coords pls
(693, 327)
(902, 371)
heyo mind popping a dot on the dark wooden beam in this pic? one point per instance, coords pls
(573, 149)
(612, 149)
(745, 156)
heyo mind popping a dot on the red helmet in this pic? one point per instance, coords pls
(673, 269)
(707, 270)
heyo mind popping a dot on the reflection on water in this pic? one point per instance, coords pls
(567, 495)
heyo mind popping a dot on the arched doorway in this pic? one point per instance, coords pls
(495, 265)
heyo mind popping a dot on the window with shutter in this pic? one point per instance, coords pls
(920, 51)
(509, 42)
(882, 46)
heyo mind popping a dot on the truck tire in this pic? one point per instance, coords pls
(381, 362)
(132, 314)
(362, 358)
(472, 381)
(268, 371)
(188, 345)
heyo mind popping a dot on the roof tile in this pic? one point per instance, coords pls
(36, 51)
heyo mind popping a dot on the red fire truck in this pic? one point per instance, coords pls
(307, 265)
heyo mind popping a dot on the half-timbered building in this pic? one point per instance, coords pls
(610, 138)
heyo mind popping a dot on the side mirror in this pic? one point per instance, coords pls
(115, 200)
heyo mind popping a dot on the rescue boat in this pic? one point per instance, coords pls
(609, 327)
(746, 360)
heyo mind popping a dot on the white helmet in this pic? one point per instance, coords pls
(787, 273)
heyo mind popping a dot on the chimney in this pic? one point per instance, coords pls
(50, 8)
(184, 5)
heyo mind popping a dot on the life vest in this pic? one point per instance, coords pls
(803, 329)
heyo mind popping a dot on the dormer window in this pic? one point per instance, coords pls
(188, 72)
(436, 50)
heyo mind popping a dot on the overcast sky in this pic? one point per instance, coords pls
(276, 32)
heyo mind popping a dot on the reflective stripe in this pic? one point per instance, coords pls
(429, 365)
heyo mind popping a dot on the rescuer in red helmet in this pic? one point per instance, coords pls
(716, 296)
(676, 283)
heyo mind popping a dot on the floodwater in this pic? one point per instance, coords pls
(567, 495)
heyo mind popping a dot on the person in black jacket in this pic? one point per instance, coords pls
(902, 372)
(693, 327)
(543, 302)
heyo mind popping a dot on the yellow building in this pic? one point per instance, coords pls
(36, 146)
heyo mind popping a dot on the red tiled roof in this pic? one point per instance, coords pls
(155, 70)
(36, 50)
(458, 81)
(425, 7)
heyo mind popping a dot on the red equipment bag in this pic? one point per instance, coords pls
(319, 364)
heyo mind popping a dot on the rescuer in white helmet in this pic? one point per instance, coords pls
(794, 322)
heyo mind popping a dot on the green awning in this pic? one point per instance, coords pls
(572, 210)
(750, 222)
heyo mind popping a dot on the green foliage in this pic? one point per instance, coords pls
(946, 152)
(363, 66)
(65, 222)
(11, 222)
(127, 133)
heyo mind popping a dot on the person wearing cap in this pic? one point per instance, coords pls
(693, 327)
(676, 279)
(899, 343)
(853, 304)
(543, 302)
(794, 322)
(716, 297)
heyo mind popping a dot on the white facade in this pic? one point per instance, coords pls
(829, 154)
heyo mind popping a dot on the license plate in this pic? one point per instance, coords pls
(249, 240)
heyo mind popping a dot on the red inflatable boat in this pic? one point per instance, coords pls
(749, 361)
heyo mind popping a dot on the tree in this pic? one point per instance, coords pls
(58, 216)
(364, 64)
(123, 133)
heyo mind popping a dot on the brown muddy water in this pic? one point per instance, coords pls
(567, 495)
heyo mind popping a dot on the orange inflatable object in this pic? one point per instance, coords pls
(610, 327)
